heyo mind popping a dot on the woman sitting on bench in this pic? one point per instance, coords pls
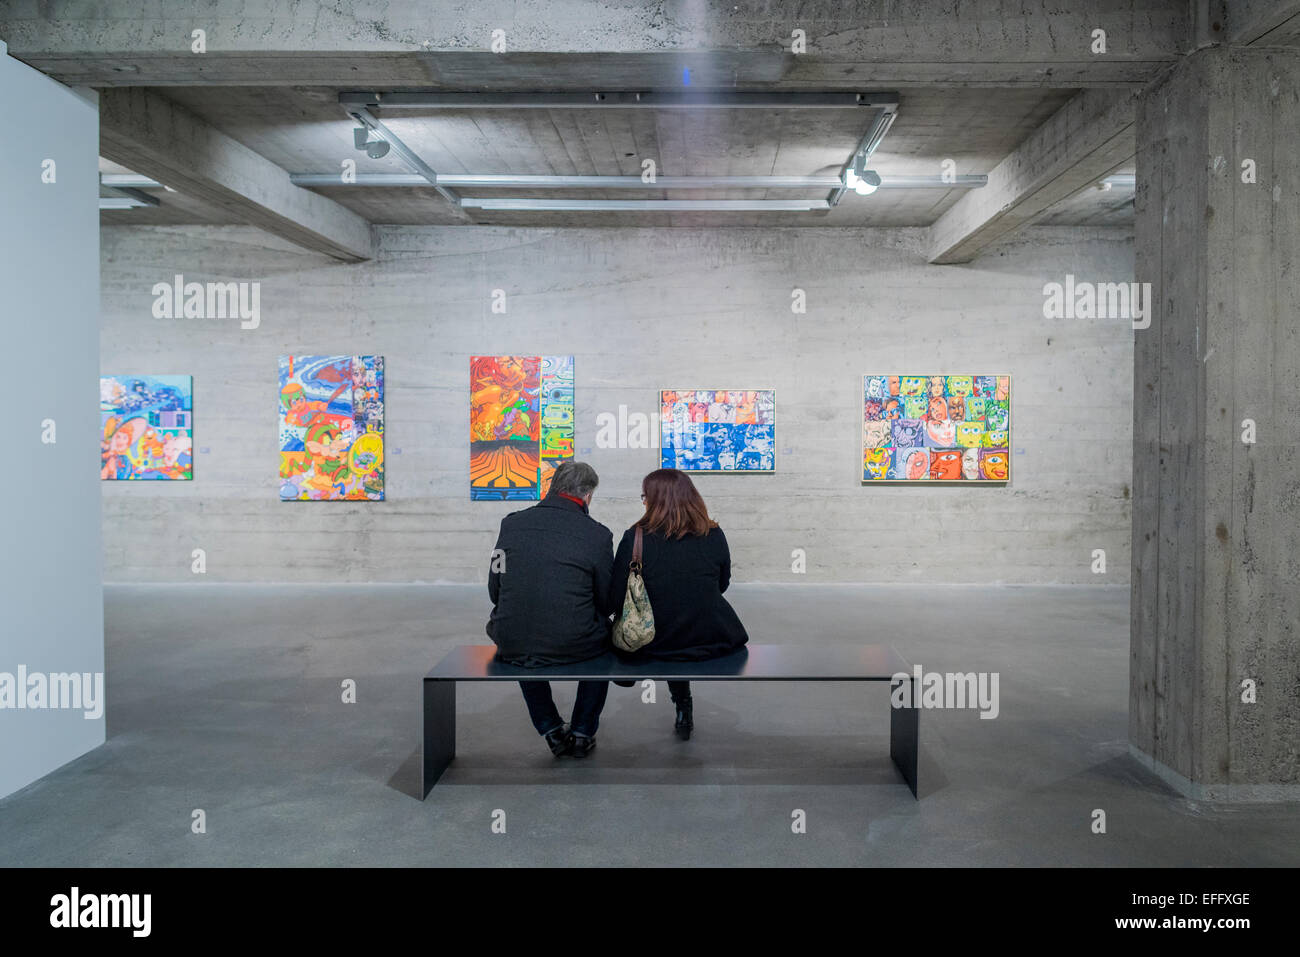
(686, 566)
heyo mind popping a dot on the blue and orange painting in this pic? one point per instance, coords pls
(718, 430)
(331, 428)
(146, 427)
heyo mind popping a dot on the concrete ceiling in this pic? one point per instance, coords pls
(303, 130)
(224, 100)
(1095, 207)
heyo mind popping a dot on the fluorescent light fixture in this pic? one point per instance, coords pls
(120, 202)
(525, 181)
(652, 205)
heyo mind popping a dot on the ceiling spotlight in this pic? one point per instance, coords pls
(364, 138)
(862, 181)
(867, 183)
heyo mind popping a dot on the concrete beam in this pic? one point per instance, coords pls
(1089, 137)
(1264, 22)
(157, 138)
(573, 44)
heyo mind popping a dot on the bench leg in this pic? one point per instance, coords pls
(439, 730)
(904, 737)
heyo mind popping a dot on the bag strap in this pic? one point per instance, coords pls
(635, 566)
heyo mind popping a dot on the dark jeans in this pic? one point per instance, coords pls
(586, 708)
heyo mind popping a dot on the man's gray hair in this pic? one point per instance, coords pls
(575, 478)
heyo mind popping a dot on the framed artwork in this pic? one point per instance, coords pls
(331, 428)
(146, 427)
(718, 430)
(520, 425)
(936, 428)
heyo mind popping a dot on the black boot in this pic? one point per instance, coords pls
(685, 719)
(560, 741)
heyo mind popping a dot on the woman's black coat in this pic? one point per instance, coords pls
(684, 579)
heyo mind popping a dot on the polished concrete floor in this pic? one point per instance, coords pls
(228, 699)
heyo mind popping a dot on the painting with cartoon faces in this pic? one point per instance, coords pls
(993, 465)
(146, 423)
(914, 406)
(945, 465)
(910, 465)
(907, 432)
(912, 385)
(876, 435)
(969, 434)
(332, 427)
(936, 428)
(876, 463)
(723, 431)
(940, 435)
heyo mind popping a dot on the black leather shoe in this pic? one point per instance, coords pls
(560, 741)
(685, 718)
(582, 745)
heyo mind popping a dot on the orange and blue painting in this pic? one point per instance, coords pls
(936, 428)
(520, 425)
(331, 428)
(146, 427)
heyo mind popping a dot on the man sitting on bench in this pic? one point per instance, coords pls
(549, 580)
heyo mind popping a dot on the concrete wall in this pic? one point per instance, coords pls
(1215, 531)
(641, 310)
(52, 620)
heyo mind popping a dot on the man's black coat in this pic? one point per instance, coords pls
(549, 580)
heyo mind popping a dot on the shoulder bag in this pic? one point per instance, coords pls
(635, 627)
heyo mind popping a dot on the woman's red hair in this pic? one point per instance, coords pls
(673, 506)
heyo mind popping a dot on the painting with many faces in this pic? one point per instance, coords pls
(714, 430)
(936, 428)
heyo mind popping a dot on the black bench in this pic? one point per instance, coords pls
(753, 663)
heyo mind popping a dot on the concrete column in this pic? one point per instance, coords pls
(1216, 516)
(51, 599)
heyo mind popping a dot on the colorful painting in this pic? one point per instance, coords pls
(520, 425)
(718, 430)
(331, 428)
(146, 427)
(936, 428)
